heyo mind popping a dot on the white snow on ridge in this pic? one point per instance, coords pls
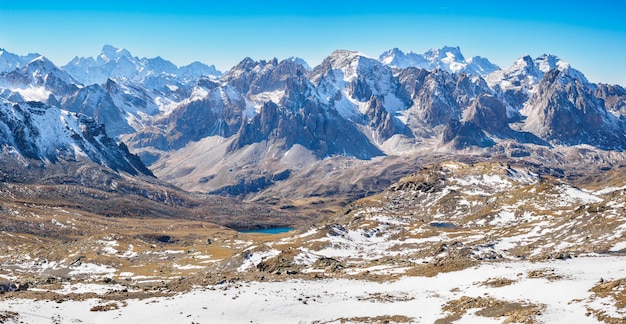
(607, 190)
(493, 181)
(93, 270)
(253, 258)
(54, 132)
(261, 98)
(33, 93)
(447, 58)
(580, 195)
(618, 247)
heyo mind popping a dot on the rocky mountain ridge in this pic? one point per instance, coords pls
(206, 131)
(353, 105)
(34, 131)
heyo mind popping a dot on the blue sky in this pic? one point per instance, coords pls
(589, 35)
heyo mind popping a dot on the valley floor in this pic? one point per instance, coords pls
(585, 289)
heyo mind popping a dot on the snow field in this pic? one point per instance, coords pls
(564, 292)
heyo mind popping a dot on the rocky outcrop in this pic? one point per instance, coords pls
(380, 119)
(319, 130)
(198, 119)
(433, 103)
(484, 121)
(614, 97)
(245, 186)
(440, 97)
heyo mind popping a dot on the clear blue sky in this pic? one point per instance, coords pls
(590, 35)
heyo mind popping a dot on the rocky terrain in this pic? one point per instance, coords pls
(472, 241)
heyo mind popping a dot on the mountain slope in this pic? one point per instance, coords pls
(10, 61)
(565, 110)
(40, 132)
(514, 85)
(483, 122)
(38, 80)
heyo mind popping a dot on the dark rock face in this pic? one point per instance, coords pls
(245, 186)
(95, 101)
(18, 133)
(489, 114)
(465, 134)
(434, 104)
(199, 119)
(614, 97)
(566, 111)
(322, 131)
(107, 151)
(440, 97)
(380, 119)
(484, 120)
(485, 117)
(412, 80)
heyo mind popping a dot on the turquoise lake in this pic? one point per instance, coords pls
(275, 230)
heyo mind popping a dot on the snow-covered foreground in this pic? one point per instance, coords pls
(562, 286)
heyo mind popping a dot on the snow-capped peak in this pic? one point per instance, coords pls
(525, 61)
(41, 67)
(547, 62)
(120, 64)
(346, 63)
(10, 61)
(42, 60)
(39, 131)
(481, 66)
(530, 71)
(340, 58)
(394, 54)
(398, 59)
(446, 58)
(444, 53)
(352, 64)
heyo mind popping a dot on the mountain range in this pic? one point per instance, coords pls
(269, 124)
(411, 178)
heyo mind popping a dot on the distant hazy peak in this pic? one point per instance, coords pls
(111, 52)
